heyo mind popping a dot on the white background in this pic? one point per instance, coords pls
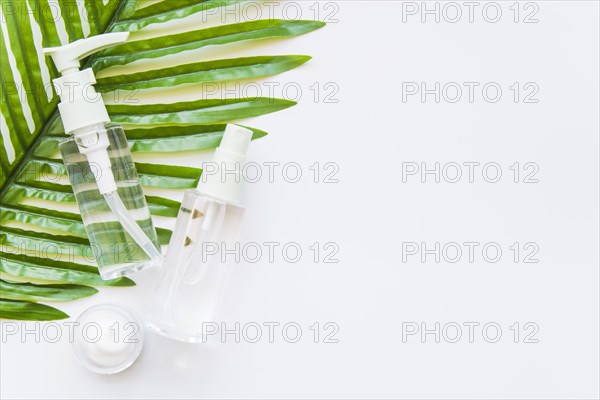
(371, 292)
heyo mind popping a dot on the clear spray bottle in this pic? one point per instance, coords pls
(193, 273)
(100, 168)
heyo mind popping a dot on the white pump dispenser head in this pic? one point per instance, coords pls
(67, 57)
(223, 178)
(80, 105)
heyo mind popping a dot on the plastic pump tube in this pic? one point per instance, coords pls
(131, 227)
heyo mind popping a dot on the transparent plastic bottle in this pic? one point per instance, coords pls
(100, 167)
(116, 252)
(194, 273)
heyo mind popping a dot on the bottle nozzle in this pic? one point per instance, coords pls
(66, 58)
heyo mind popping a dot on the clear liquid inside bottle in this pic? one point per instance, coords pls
(116, 253)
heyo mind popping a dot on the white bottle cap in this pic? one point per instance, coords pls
(109, 338)
(222, 178)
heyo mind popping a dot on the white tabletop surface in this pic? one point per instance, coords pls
(376, 217)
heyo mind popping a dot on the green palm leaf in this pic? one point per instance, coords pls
(53, 292)
(208, 71)
(42, 238)
(27, 310)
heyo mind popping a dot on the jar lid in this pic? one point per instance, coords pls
(109, 340)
